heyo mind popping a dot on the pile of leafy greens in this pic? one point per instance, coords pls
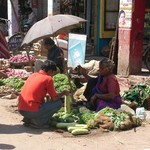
(61, 83)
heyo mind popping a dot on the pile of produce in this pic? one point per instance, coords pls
(21, 58)
(74, 122)
(15, 73)
(112, 119)
(61, 82)
(138, 93)
(16, 83)
(84, 120)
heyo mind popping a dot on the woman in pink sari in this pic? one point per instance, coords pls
(103, 91)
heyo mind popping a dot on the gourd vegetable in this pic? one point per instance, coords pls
(62, 125)
(77, 126)
(80, 131)
(67, 104)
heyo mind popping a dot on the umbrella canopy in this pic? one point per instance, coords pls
(52, 26)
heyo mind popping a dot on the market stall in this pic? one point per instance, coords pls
(74, 117)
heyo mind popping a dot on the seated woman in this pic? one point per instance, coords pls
(102, 91)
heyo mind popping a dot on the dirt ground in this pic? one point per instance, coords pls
(13, 135)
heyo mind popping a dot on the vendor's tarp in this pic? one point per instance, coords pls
(4, 50)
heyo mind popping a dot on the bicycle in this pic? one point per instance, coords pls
(146, 56)
(146, 52)
(16, 39)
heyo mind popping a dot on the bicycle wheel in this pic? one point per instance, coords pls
(15, 41)
(147, 59)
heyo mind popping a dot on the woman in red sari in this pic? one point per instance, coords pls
(102, 91)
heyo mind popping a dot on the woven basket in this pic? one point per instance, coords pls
(21, 63)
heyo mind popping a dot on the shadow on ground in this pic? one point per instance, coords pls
(6, 146)
(15, 129)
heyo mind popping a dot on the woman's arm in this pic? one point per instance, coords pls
(83, 72)
(108, 96)
(112, 88)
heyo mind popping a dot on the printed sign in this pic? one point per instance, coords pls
(76, 49)
(125, 13)
(15, 42)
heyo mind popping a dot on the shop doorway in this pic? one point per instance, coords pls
(84, 9)
(4, 23)
(146, 41)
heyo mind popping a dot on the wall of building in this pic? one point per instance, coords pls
(107, 22)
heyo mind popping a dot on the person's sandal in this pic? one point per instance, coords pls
(26, 122)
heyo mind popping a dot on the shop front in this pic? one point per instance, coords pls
(3, 17)
(127, 21)
(87, 10)
(107, 15)
(84, 9)
(131, 33)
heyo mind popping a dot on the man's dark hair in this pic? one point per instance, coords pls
(48, 41)
(49, 65)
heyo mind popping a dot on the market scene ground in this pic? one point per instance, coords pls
(114, 115)
(16, 136)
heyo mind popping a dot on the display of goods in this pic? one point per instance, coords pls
(15, 73)
(4, 63)
(61, 83)
(21, 58)
(138, 93)
(16, 83)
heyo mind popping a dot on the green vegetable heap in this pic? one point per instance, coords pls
(122, 120)
(137, 93)
(12, 82)
(117, 118)
(61, 82)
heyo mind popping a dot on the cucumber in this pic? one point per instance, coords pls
(62, 125)
(77, 126)
(80, 131)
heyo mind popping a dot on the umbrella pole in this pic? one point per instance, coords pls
(56, 41)
(27, 51)
(71, 91)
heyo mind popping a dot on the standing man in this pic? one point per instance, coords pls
(31, 17)
(32, 106)
(54, 53)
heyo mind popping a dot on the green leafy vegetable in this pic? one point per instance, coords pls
(61, 83)
(13, 82)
